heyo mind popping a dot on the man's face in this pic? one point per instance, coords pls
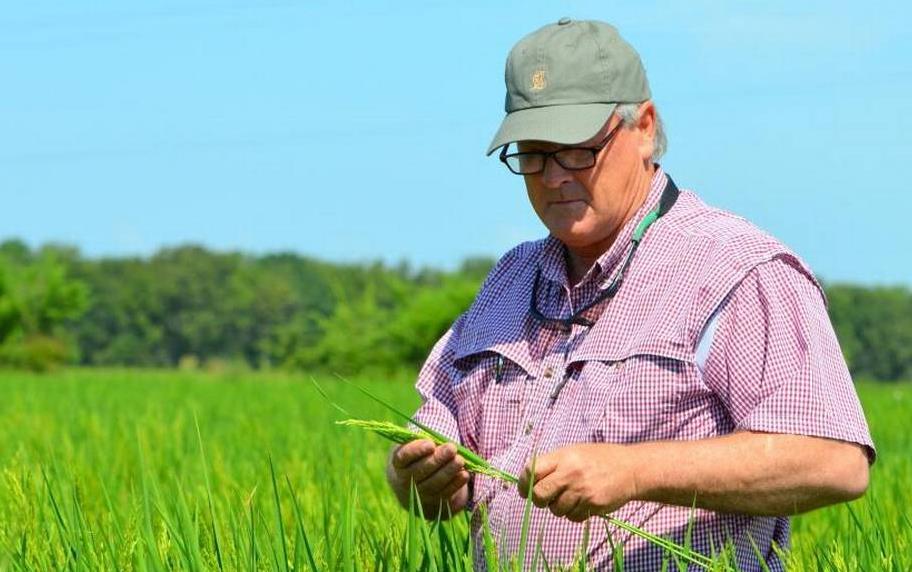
(586, 208)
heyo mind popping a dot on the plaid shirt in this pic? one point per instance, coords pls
(717, 327)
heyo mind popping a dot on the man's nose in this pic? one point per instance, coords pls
(553, 175)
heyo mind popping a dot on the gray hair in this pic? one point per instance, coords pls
(628, 112)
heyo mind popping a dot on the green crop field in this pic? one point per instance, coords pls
(135, 470)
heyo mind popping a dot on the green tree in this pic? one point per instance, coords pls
(37, 296)
(289, 310)
(874, 326)
(427, 315)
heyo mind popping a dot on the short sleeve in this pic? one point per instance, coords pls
(775, 361)
(435, 385)
(439, 374)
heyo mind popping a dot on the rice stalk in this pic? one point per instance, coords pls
(401, 435)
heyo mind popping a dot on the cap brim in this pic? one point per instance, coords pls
(563, 124)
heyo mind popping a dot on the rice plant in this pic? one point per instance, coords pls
(160, 470)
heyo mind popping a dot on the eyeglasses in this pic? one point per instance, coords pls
(570, 158)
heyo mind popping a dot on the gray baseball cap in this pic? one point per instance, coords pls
(565, 80)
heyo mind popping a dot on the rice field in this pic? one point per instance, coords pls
(148, 470)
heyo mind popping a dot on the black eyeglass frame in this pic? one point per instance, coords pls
(595, 150)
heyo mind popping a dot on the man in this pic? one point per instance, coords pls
(666, 362)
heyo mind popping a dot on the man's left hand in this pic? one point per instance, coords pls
(581, 480)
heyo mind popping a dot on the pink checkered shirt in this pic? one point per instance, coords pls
(717, 327)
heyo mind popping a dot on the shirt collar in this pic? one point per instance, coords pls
(553, 262)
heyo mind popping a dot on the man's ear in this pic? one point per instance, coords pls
(646, 125)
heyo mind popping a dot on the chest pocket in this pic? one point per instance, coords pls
(490, 397)
(641, 397)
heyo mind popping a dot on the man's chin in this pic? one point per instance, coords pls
(577, 239)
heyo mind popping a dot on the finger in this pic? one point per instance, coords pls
(544, 466)
(546, 491)
(564, 504)
(427, 466)
(522, 487)
(460, 480)
(434, 483)
(406, 454)
(581, 513)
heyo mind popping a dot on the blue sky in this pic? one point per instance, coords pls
(356, 131)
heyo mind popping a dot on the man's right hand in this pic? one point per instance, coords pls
(438, 472)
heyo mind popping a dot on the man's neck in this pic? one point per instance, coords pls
(580, 259)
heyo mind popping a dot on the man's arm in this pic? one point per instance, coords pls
(753, 473)
(744, 472)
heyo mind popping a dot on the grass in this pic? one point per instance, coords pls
(131, 470)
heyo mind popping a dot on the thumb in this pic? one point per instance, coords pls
(543, 465)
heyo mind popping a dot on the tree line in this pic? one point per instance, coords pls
(193, 307)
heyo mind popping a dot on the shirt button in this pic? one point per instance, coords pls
(549, 371)
(528, 428)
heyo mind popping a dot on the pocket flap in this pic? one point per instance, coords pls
(612, 348)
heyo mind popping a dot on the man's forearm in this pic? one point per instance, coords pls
(752, 473)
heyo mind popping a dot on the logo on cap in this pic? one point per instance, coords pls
(538, 80)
